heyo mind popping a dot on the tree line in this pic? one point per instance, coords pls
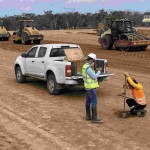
(66, 20)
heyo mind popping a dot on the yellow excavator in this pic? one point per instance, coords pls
(27, 33)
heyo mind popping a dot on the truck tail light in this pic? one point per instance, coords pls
(68, 70)
(106, 67)
(106, 64)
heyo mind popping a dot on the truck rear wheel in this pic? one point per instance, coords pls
(52, 85)
(106, 42)
(20, 78)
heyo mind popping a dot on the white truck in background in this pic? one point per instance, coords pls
(50, 62)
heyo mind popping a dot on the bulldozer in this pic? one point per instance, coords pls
(4, 34)
(121, 34)
(26, 33)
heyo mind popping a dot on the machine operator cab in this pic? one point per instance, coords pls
(26, 23)
(121, 26)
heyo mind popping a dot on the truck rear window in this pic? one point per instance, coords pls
(57, 52)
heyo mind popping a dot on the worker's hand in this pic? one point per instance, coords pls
(99, 69)
(126, 74)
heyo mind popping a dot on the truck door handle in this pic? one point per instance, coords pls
(32, 60)
(42, 61)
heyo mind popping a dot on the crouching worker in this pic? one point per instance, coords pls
(90, 84)
(138, 102)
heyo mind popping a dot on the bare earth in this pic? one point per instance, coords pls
(32, 119)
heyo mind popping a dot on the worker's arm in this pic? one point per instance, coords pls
(92, 74)
(134, 85)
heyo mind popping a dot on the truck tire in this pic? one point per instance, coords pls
(106, 42)
(36, 41)
(20, 78)
(52, 85)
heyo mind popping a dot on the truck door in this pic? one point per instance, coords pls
(30, 60)
(40, 62)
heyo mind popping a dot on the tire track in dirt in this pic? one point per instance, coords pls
(23, 129)
(104, 136)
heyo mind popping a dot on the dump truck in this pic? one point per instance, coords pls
(4, 34)
(122, 35)
(27, 33)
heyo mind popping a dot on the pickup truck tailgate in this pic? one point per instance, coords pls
(102, 75)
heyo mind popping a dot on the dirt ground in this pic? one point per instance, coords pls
(32, 119)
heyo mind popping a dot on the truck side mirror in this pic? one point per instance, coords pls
(23, 55)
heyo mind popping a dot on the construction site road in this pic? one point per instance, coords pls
(32, 119)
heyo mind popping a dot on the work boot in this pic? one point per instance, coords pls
(94, 116)
(88, 113)
(132, 112)
(143, 112)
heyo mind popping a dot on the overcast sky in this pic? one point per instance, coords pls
(17, 7)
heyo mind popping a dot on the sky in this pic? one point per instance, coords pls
(17, 7)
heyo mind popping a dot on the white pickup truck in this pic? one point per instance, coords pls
(49, 62)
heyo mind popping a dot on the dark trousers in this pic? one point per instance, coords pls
(91, 98)
(131, 102)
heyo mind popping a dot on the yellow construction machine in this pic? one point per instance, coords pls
(27, 33)
(4, 34)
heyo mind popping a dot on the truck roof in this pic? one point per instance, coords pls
(59, 45)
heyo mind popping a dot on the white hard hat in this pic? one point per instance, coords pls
(92, 55)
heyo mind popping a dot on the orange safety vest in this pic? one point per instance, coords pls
(139, 96)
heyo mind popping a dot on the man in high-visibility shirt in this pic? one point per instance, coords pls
(138, 102)
(90, 84)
